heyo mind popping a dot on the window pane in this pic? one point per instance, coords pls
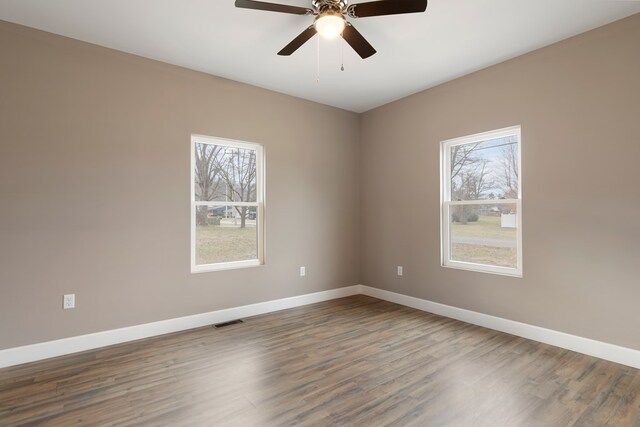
(485, 170)
(224, 173)
(225, 234)
(484, 234)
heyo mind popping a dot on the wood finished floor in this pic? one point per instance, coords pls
(355, 361)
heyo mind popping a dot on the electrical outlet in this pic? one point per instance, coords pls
(303, 271)
(400, 270)
(69, 301)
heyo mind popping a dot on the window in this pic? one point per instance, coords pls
(481, 191)
(227, 204)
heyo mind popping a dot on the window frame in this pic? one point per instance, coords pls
(446, 202)
(259, 203)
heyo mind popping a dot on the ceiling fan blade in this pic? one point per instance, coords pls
(298, 41)
(357, 42)
(386, 7)
(273, 7)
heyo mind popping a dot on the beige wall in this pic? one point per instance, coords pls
(94, 189)
(579, 106)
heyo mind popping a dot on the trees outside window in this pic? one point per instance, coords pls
(481, 202)
(227, 204)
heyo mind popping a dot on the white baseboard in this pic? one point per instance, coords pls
(45, 350)
(603, 350)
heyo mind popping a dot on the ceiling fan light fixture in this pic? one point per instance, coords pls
(330, 25)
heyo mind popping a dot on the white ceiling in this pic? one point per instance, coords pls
(415, 51)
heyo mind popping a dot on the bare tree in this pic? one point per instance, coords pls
(469, 177)
(476, 180)
(461, 157)
(475, 176)
(509, 171)
(206, 178)
(237, 167)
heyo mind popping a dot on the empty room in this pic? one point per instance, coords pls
(319, 213)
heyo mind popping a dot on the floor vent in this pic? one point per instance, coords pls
(229, 323)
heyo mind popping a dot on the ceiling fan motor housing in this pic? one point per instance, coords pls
(332, 7)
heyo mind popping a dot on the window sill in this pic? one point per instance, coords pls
(480, 268)
(207, 268)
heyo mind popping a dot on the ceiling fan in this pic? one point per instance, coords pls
(330, 19)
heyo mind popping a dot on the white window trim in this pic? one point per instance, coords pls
(446, 202)
(259, 204)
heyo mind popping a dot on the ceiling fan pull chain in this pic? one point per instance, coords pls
(342, 55)
(318, 61)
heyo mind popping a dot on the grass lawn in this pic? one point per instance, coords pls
(488, 255)
(486, 226)
(222, 244)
